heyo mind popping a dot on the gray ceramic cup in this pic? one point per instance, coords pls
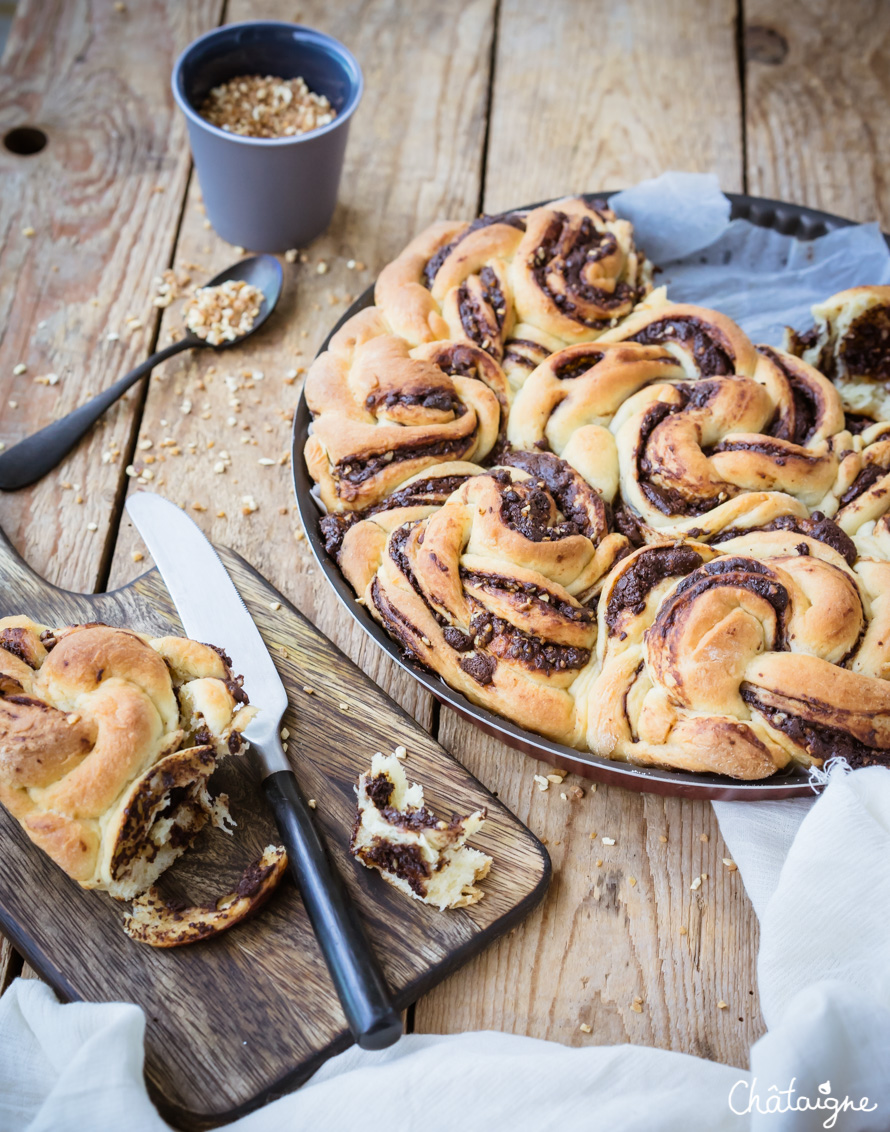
(268, 194)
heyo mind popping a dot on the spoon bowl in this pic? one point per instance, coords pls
(261, 271)
(30, 460)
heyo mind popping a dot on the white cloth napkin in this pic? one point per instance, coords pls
(824, 976)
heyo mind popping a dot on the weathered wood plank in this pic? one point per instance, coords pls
(86, 223)
(590, 95)
(620, 922)
(10, 963)
(817, 88)
(587, 96)
(414, 155)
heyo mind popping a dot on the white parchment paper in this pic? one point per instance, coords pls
(760, 278)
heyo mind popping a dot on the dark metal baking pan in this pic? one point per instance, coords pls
(790, 220)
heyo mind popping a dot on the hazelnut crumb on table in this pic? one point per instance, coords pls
(266, 107)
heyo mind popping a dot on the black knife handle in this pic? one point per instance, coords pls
(356, 974)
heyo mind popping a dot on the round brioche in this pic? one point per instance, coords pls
(107, 739)
(625, 423)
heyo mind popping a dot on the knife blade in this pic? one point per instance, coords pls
(212, 610)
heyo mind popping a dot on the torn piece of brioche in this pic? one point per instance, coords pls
(107, 740)
(166, 923)
(424, 857)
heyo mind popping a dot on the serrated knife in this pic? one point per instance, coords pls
(212, 610)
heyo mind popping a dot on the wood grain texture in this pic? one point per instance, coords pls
(595, 95)
(253, 1011)
(653, 86)
(817, 89)
(102, 201)
(619, 922)
(414, 155)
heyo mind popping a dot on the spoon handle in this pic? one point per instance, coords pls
(30, 459)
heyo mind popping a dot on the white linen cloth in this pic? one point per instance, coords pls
(824, 977)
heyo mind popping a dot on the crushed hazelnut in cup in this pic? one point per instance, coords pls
(266, 107)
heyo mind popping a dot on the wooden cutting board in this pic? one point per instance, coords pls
(235, 1021)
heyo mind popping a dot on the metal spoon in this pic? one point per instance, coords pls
(30, 459)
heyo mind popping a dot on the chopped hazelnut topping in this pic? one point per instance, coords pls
(225, 312)
(260, 106)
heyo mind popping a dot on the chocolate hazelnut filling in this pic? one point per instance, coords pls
(857, 422)
(565, 251)
(807, 406)
(816, 526)
(525, 353)
(497, 582)
(817, 740)
(482, 316)
(865, 349)
(403, 861)
(456, 359)
(429, 492)
(712, 353)
(397, 625)
(668, 500)
(644, 574)
(16, 640)
(504, 641)
(431, 270)
(583, 507)
(745, 573)
(776, 452)
(480, 667)
(867, 478)
(577, 367)
(441, 400)
(356, 470)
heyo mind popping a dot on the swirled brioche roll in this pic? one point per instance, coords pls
(850, 343)
(685, 449)
(577, 271)
(740, 662)
(563, 272)
(107, 740)
(493, 589)
(382, 412)
(416, 498)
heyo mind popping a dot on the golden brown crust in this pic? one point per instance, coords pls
(92, 733)
(391, 412)
(490, 589)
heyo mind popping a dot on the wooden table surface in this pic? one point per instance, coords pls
(472, 105)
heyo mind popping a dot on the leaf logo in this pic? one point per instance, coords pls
(825, 1087)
